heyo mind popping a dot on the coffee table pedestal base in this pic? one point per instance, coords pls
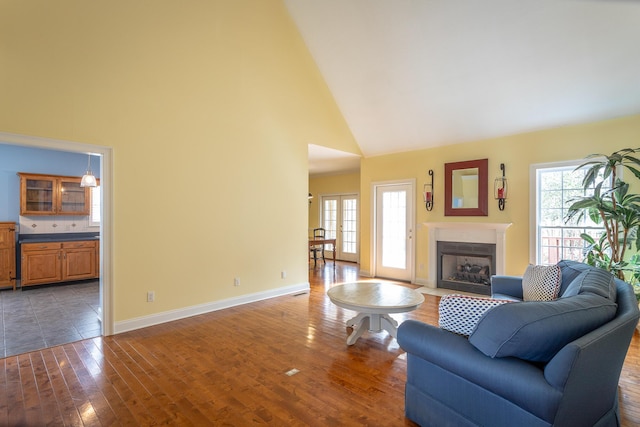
(374, 302)
(372, 322)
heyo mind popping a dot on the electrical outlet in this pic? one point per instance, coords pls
(151, 296)
(236, 281)
(283, 274)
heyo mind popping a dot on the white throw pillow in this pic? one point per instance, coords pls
(541, 282)
(461, 313)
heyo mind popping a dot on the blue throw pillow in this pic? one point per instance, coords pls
(537, 330)
(570, 270)
(595, 281)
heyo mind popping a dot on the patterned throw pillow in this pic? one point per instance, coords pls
(541, 282)
(461, 313)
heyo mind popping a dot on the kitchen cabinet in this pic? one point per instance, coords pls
(8, 254)
(41, 263)
(53, 195)
(55, 262)
(79, 260)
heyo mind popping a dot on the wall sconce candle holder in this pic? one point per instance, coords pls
(500, 188)
(427, 193)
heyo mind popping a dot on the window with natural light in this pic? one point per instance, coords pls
(329, 219)
(94, 218)
(555, 187)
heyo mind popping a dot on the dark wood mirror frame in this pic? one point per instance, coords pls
(483, 202)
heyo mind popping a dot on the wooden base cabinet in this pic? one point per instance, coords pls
(79, 260)
(41, 263)
(8, 254)
(54, 262)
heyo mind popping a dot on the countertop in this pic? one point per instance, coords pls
(57, 237)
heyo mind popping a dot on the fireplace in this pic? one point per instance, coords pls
(466, 266)
(466, 233)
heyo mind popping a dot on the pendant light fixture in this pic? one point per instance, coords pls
(88, 180)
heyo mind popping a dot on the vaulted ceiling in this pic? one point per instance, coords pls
(413, 74)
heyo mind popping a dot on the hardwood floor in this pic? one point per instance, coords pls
(229, 368)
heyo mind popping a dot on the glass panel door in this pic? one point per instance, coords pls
(73, 198)
(349, 229)
(340, 220)
(40, 196)
(394, 231)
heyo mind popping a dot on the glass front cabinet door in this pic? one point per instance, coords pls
(53, 195)
(73, 199)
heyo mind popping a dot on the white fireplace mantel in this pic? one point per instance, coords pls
(471, 232)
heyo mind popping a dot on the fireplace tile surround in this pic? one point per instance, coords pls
(465, 232)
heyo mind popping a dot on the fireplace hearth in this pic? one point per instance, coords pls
(467, 267)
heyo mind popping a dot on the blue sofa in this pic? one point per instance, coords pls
(554, 363)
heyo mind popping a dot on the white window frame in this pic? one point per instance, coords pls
(534, 239)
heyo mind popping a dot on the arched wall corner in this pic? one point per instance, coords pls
(106, 226)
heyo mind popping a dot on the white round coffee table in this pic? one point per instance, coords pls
(374, 301)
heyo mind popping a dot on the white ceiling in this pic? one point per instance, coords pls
(413, 74)
(323, 160)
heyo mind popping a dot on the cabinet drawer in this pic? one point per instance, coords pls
(40, 246)
(80, 244)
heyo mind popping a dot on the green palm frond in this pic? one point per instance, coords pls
(612, 206)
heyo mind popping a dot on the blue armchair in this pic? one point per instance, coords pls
(570, 379)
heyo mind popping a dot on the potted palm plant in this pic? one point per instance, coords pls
(635, 277)
(608, 202)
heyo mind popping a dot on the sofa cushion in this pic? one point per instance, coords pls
(595, 281)
(460, 313)
(541, 282)
(537, 330)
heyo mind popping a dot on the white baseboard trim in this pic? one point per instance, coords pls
(365, 273)
(181, 313)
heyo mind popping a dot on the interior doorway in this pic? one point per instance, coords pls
(106, 227)
(393, 227)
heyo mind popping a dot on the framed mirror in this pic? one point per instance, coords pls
(465, 188)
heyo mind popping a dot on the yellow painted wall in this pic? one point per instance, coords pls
(319, 186)
(213, 102)
(517, 152)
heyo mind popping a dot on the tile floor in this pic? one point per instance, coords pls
(46, 316)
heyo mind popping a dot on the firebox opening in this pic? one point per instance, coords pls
(466, 266)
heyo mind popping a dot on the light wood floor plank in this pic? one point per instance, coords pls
(16, 411)
(229, 368)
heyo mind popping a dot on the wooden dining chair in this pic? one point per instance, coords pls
(318, 234)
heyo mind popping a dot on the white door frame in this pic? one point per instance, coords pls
(106, 218)
(411, 223)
